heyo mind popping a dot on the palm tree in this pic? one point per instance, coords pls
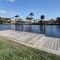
(16, 16)
(58, 19)
(42, 22)
(30, 16)
(42, 17)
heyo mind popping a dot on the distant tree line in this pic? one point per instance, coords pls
(30, 17)
(5, 20)
(41, 19)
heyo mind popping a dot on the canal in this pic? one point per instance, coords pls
(48, 30)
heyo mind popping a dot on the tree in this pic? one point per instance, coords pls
(30, 16)
(51, 19)
(16, 16)
(4, 20)
(58, 19)
(42, 17)
(1, 20)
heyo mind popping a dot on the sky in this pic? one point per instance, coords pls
(49, 8)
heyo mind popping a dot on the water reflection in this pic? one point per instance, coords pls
(58, 27)
(19, 27)
(50, 30)
(5, 27)
(42, 29)
(29, 28)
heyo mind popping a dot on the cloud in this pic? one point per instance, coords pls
(8, 0)
(3, 11)
(11, 0)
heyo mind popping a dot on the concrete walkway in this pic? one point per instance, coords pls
(38, 41)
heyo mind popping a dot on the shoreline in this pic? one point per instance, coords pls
(29, 24)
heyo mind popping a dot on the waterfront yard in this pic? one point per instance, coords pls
(10, 50)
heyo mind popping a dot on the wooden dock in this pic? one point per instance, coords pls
(37, 41)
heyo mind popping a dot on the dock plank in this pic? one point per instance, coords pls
(38, 41)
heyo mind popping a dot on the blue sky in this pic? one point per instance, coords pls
(49, 8)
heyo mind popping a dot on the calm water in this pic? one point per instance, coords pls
(49, 30)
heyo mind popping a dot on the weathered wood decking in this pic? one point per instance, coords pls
(38, 41)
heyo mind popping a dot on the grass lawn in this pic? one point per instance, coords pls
(10, 50)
